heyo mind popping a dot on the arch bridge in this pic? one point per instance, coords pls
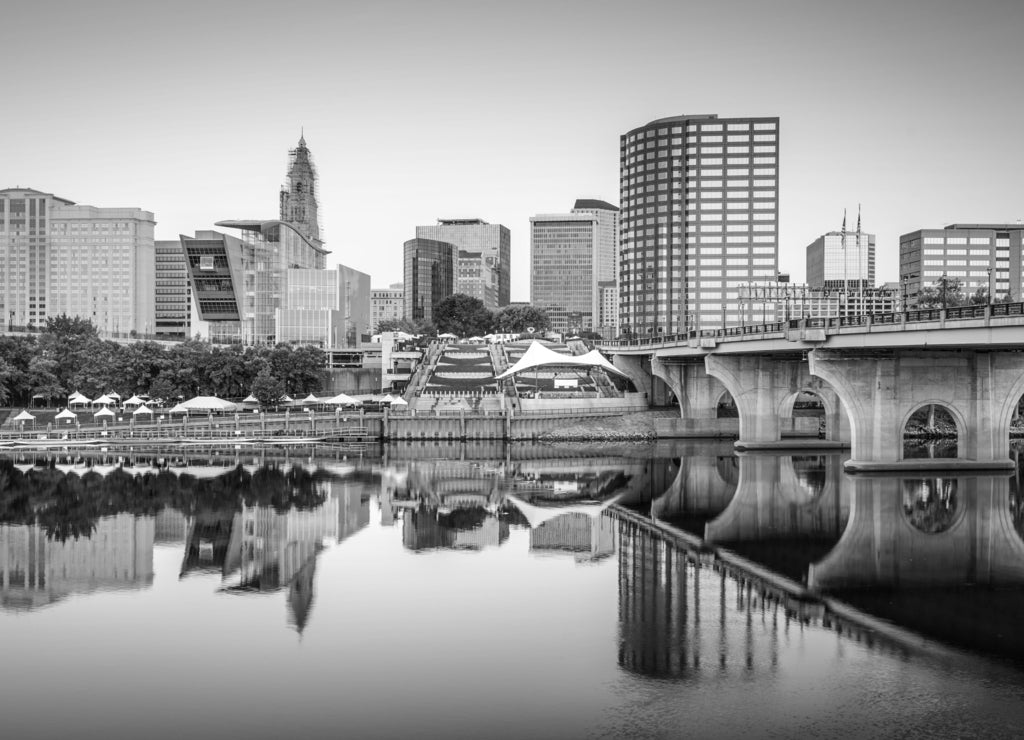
(870, 372)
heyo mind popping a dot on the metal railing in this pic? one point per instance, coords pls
(904, 318)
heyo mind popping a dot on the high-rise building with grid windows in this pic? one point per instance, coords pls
(571, 256)
(699, 218)
(482, 260)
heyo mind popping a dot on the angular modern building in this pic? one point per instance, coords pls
(988, 256)
(571, 255)
(328, 308)
(482, 258)
(173, 306)
(843, 260)
(57, 257)
(429, 276)
(699, 218)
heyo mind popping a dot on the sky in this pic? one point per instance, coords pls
(418, 110)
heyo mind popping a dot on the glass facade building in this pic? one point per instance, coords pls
(980, 256)
(563, 253)
(699, 218)
(57, 257)
(842, 260)
(328, 308)
(429, 276)
(482, 258)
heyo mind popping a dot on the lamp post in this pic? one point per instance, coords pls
(943, 290)
(991, 292)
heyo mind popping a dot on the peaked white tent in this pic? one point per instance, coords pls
(24, 416)
(343, 400)
(537, 515)
(133, 401)
(142, 410)
(103, 400)
(399, 401)
(115, 396)
(66, 414)
(203, 403)
(103, 412)
(250, 399)
(78, 399)
(538, 355)
(286, 399)
(310, 399)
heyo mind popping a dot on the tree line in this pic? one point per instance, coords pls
(69, 356)
(466, 316)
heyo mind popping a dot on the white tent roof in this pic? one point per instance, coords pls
(537, 355)
(343, 400)
(286, 399)
(78, 400)
(311, 399)
(203, 403)
(78, 395)
(537, 515)
(102, 400)
(104, 412)
(134, 401)
(387, 399)
(113, 395)
(143, 409)
(24, 416)
(250, 399)
(399, 401)
(66, 414)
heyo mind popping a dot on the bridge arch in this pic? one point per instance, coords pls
(1009, 406)
(950, 409)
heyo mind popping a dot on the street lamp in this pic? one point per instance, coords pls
(943, 290)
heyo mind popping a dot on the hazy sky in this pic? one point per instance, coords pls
(501, 110)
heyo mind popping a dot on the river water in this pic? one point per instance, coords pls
(502, 591)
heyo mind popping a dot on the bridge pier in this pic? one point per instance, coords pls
(765, 387)
(697, 395)
(881, 389)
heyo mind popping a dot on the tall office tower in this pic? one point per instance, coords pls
(482, 259)
(237, 283)
(173, 300)
(843, 260)
(700, 210)
(607, 262)
(93, 263)
(386, 304)
(988, 256)
(564, 258)
(298, 195)
(429, 276)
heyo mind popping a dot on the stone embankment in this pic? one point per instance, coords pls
(638, 426)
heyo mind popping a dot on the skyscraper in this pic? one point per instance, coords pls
(571, 256)
(173, 301)
(699, 197)
(429, 279)
(482, 258)
(57, 257)
(298, 195)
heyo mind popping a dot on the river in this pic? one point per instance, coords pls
(450, 591)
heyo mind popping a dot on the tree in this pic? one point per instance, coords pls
(943, 293)
(65, 326)
(397, 325)
(267, 388)
(462, 315)
(514, 319)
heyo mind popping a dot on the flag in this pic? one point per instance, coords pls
(843, 242)
(858, 220)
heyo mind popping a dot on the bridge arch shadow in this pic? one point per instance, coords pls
(725, 406)
(926, 427)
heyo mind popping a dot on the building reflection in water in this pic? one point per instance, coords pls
(37, 570)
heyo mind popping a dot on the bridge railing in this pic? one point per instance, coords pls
(923, 315)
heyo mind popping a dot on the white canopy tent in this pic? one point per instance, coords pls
(343, 400)
(24, 416)
(104, 412)
(133, 401)
(538, 355)
(250, 399)
(115, 396)
(66, 414)
(311, 399)
(399, 401)
(78, 399)
(537, 515)
(142, 411)
(203, 403)
(103, 400)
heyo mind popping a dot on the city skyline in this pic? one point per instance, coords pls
(515, 122)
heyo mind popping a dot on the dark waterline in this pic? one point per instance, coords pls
(496, 592)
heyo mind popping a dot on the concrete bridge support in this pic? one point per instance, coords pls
(882, 547)
(638, 369)
(697, 392)
(881, 390)
(765, 388)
